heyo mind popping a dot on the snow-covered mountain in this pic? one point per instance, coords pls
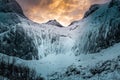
(10, 6)
(54, 22)
(13, 38)
(64, 53)
(99, 29)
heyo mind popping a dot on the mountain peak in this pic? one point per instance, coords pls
(54, 22)
(10, 6)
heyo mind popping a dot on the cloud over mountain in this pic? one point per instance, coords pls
(65, 11)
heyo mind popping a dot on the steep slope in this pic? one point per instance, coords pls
(14, 40)
(99, 29)
(10, 12)
(29, 40)
(10, 6)
(56, 47)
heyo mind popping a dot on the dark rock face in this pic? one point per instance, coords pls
(16, 42)
(9, 12)
(114, 2)
(109, 31)
(16, 72)
(10, 6)
(104, 31)
(9, 19)
(92, 9)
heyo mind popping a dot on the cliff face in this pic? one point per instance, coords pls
(73, 46)
(10, 6)
(100, 28)
(14, 40)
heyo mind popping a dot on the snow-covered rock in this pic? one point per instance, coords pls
(54, 22)
(14, 40)
(99, 30)
(63, 50)
(8, 6)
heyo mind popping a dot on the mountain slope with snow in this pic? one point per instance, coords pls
(14, 41)
(69, 67)
(64, 53)
(99, 30)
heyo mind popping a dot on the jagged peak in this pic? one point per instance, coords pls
(54, 22)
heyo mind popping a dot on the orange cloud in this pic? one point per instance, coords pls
(65, 11)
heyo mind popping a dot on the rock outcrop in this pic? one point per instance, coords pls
(14, 40)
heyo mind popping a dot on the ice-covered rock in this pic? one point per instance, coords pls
(99, 30)
(10, 6)
(14, 40)
(54, 22)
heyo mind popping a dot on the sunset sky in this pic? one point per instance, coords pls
(64, 11)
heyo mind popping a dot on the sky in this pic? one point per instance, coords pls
(64, 11)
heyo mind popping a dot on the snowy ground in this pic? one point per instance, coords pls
(59, 63)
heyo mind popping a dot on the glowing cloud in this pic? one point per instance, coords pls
(65, 11)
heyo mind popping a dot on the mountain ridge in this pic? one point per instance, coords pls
(54, 22)
(92, 43)
(88, 48)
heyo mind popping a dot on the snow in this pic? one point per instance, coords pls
(49, 39)
(55, 63)
(106, 54)
(58, 47)
(59, 63)
(62, 61)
